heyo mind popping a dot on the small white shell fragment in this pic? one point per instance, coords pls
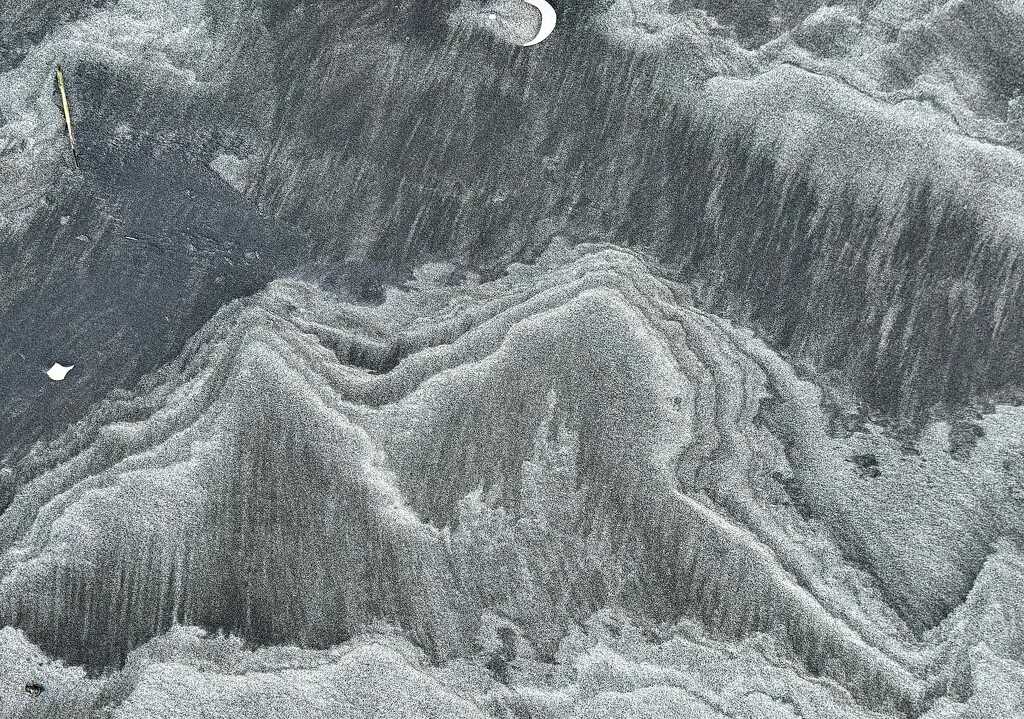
(58, 372)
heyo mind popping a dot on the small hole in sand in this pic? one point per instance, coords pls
(33, 690)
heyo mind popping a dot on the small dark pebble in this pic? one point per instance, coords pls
(33, 690)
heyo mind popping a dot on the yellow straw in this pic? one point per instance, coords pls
(67, 114)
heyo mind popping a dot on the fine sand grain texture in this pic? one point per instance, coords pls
(672, 367)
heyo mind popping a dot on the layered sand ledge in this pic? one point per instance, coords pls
(566, 468)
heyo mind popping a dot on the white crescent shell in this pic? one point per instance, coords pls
(548, 19)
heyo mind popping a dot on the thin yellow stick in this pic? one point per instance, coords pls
(67, 114)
